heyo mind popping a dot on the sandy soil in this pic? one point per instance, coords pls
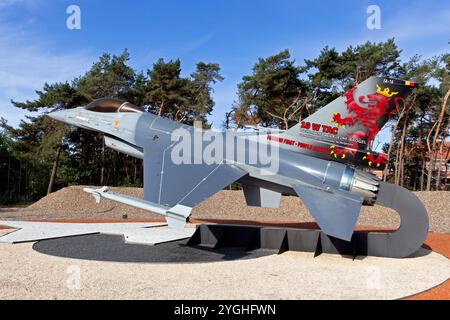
(73, 203)
(27, 274)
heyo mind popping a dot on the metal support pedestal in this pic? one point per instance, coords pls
(285, 239)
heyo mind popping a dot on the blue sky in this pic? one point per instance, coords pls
(36, 47)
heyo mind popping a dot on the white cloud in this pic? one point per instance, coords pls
(24, 4)
(175, 50)
(8, 3)
(419, 23)
(27, 62)
(197, 43)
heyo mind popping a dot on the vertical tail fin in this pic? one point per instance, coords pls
(354, 119)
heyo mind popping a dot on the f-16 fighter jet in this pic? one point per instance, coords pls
(323, 159)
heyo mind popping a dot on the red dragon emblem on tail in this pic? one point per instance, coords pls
(369, 117)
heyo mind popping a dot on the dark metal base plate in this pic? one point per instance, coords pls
(285, 239)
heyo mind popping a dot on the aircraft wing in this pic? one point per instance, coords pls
(335, 211)
(169, 184)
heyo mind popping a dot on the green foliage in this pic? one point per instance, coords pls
(181, 99)
(109, 77)
(425, 106)
(273, 86)
(331, 73)
(166, 89)
(53, 97)
(6, 158)
(203, 78)
(22, 162)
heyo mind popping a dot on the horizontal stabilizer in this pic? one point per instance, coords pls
(336, 212)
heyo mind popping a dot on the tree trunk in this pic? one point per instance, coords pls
(446, 172)
(135, 171)
(54, 169)
(438, 177)
(394, 131)
(9, 173)
(416, 175)
(422, 176)
(396, 165)
(125, 166)
(444, 155)
(114, 163)
(102, 170)
(161, 108)
(402, 149)
(402, 172)
(441, 118)
(430, 171)
(433, 150)
(20, 180)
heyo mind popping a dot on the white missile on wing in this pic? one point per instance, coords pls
(176, 216)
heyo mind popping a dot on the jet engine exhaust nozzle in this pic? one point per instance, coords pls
(365, 185)
(361, 183)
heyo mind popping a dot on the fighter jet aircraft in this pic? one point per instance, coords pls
(323, 159)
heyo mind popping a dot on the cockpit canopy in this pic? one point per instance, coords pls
(108, 105)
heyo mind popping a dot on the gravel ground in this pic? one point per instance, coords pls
(73, 203)
(27, 274)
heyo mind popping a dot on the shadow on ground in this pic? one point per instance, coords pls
(101, 247)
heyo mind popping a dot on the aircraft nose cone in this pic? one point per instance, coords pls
(58, 115)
